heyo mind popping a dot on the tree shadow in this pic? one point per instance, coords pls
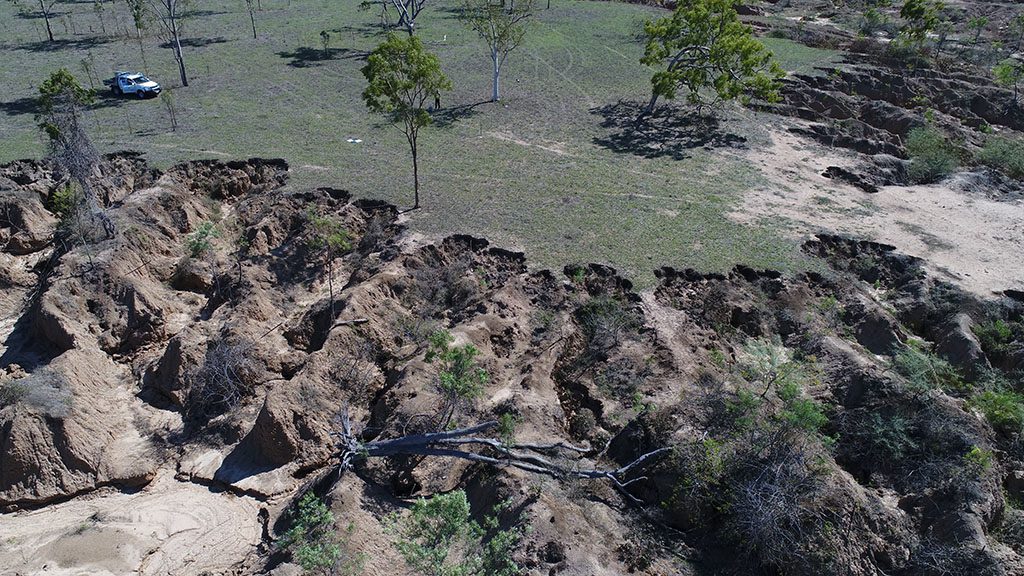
(306, 57)
(19, 107)
(667, 131)
(66, 44)
(196, 42)
(446, 117)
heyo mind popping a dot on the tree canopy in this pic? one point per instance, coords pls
(706, 51)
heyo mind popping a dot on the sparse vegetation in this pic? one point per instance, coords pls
(44, 391)
(223, 381)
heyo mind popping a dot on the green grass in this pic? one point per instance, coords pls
(527, 173)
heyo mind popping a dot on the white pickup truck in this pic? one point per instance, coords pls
(128, 83)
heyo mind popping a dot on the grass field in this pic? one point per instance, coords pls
(550, 170)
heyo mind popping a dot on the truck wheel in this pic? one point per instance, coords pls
(141, 94)
(117, 90)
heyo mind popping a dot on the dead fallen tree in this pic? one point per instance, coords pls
(461, 442)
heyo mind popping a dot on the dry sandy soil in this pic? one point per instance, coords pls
(969, 239)
(168, 528)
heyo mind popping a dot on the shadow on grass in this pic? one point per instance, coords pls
(19, 107)
(66, 44)
(668, 131)
(197, 42)
(305, 57)
(445, 117)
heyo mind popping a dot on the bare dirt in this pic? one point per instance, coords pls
(963, 236)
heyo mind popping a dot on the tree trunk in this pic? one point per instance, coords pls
(252, 19)
(415, 176)
(46, 18)
(649, 108)
(330, 279)
(173, 17)
(496, 85)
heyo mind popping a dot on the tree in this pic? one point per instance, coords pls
(459, 380)
(46, 9)
(920, 17)
(1009, 73)
(704, 47)
(402, 77)
(61, 102)
(170, 14)
(137, 8)
(408, 11)
(439, 538)
(328, 236)
(251, 6)
(503, 30)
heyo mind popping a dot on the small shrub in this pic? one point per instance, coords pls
(604, 321)
(64, 201)
(507, 428)
(888, 436)
(12, 392)
(1004, 154)
(1003, 409)
(623, 378)
(978, 460)
(932, 157)
(925, 371)
(222, 382)
(997, 336)
(45, 391)
(873, 21)
(313, 542)
(460, 380)
(200, 241)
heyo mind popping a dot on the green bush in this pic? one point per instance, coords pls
(1003, 409)
(924, 370)
(201, 240)
(439, 538)
(460, 380)
(1004, 154)
(997, 336)
(313, 541)
(978, 460)
(932, 157)
(12, 392)
(64, 201)
(888, 436)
